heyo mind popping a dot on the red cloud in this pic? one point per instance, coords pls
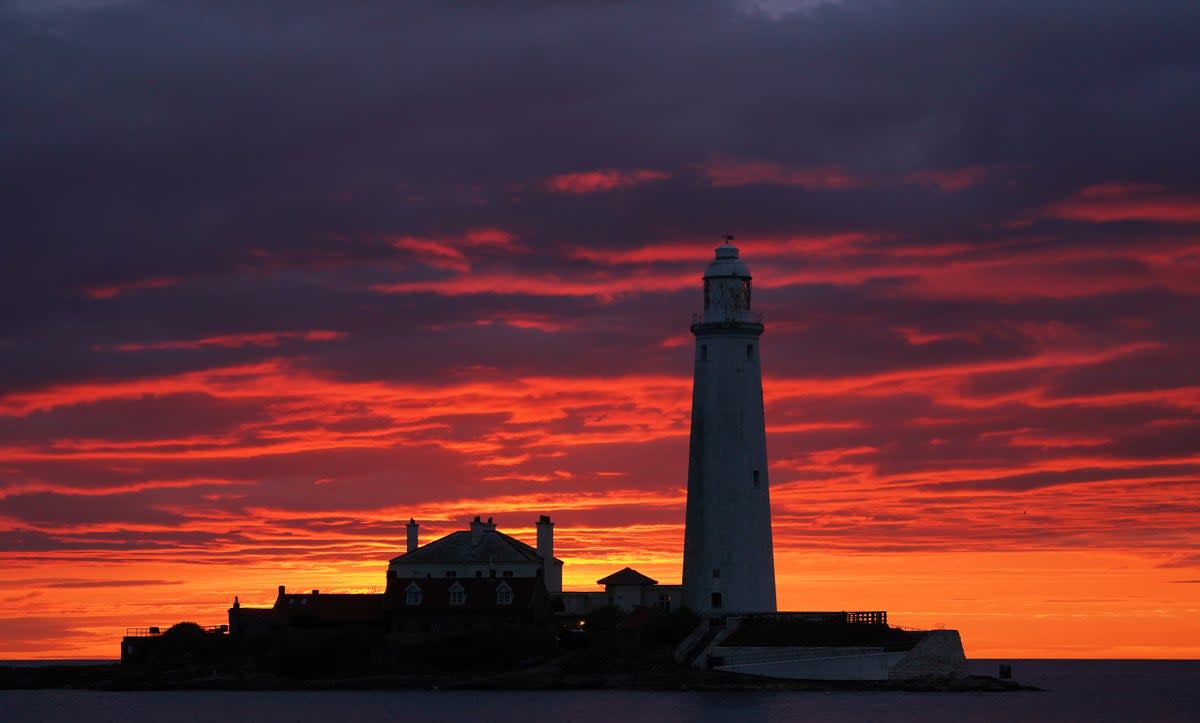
(732, 172)
(110, 292)
(825, 245)
(448, 252)
(602, 180)
(432, 252)
(951, 179)
(496, 237)
(602, 286)
(331, 467)
(230, 341)
(1128, 202)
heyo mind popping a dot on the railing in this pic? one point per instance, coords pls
(154, 631)
(874, 617)
(858, 617)
(142, 632)
(753, 317)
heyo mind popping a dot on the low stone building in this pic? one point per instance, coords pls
(627, 590)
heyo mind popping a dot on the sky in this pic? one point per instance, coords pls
(279, 276)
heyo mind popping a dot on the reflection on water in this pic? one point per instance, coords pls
(1076, 691)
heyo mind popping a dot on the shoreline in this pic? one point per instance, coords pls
(114, 678)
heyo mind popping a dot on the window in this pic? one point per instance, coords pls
(716, 573)
(451, 573)
(504, 595)
(507, 573)
(479, 573)
(458, 595)
(755, 479)
(491, 573)
(716, 600)
(412, 594)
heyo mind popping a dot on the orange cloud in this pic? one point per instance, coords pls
(312, 489)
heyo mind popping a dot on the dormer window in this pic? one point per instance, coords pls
(504, 594)
(412, 594)
(458, 596)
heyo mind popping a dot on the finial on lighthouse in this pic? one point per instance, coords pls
(727, 250)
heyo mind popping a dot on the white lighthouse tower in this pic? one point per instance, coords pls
(728, 560)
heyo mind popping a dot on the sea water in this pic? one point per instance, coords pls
(1075, 690)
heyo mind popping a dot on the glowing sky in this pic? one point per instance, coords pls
(277, 277)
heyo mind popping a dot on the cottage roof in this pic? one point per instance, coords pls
(627, 577)
(332, 607)
(466, 548)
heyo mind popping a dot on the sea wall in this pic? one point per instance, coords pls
(938, 655)
(807, 662)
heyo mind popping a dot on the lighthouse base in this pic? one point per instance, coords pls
(804, 647)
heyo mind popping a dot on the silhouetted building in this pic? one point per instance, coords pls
(480, 552)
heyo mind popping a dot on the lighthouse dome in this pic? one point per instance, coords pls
(727, 263)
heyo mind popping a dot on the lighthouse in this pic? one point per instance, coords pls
(728, 560)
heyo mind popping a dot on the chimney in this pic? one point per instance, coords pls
(478, 528)
(411, 526)
(316, 592)
(281, 590)
(236, 603)
(551, 573)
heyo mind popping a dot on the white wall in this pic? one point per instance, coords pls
(409, 569)
(728, 510)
